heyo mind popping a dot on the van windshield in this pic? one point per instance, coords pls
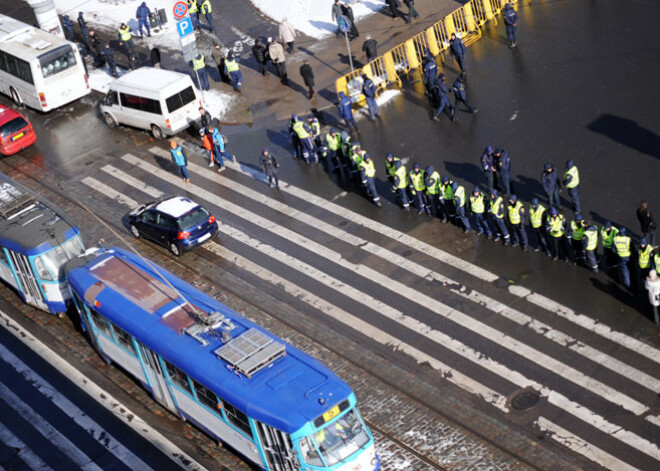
(180, 99)
(57, 60)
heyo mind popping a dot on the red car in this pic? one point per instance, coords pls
(16, 132)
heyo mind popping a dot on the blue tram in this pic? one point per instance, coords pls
(36, 240)
(277, 406)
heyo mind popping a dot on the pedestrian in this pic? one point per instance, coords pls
(412, 13)
(336, 13)
(233, 70)
(276, 54)
(447, 201)
(497, 216)
(307, 74)
(394, 8)
(347, 11)
(538, 221)
(320, 148)
(296, 145)
(511, 21)
(653, 286)
(368, 174)
(442, 93)
(643, 259)
(346, 111)
(67, 25)
(646, 222)
(125, 37)
(459, 204)
(259, 52)
(207, 143)
(219, 59)
(390, 168)
(488, 167)
(370, 47)
(622, 248)
(219, 142)
(155, 57)
(502, 163)
(369, 91)
(83, 55)
(142, 15)
(460, 95)
(517, 221)
(84, 30)
(457, 49)
(304, 136)
(576, 233)
(132, 61)
(333, 144)
(180, 160)
(199, 68)
(401, 184)
(572, 183)
(207, 10)
(551, 184)
(109, 57)
(590, 244)
(432, 182)
(607, 234)
(205, 117)
(95, 48)
(287, 34)
(430, 72)
(270, 165)
(557, 231)
(478, 208)
(418, 189)
(193, 11)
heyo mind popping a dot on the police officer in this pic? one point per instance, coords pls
(233, 71)
(320, 150)
(368, 174)
(333, 140)
(126, 37)
(356, 157)
(517, 221)
(478, 208)
(457, 49)
(83, 29)
(488, 166)
(447, 192)
(142, 15)
(418, 189)
(557, 231)
(345, 154)
(497, 216)
(96, 48)
(369, 90)
(401, 184)
(430, 71)
(503, 169)
(432, 182)
(576, 233)
(370, 47)
(572, 183)
(607, 234)
(390, 160)
(460, 95)
(206, 10)
(622, 245)
(108, 56)
(538, 221)
(199, 67)
(590, 244)
(67, 25)
(346, 111)
(442, 92)
(551, 184)
(270, 165)
(643, 260)
(511, 21)
(304, 136)
(459, 203)
(193, 11)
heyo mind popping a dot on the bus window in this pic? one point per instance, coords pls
(124, 339)
(100, 322)
(54, 259)
(206, 397)
(16, 67)
(237, 419)
(57, 60)
(178, 377)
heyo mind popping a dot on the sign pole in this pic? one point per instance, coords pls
(344, 24)
(348, 46)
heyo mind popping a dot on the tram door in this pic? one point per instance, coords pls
(27, 281)
(156, 377)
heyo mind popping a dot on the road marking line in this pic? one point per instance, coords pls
(24, 452)
(134, 182)
(654, 419)
(119, 410)
(111, 193)
(103, 437)
(578, 445)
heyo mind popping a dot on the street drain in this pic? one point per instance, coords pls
(525, 400)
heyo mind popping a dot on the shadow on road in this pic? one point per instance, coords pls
(627, 132)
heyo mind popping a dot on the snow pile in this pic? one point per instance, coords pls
(383, 99)
(314, 17)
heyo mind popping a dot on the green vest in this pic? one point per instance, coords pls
(514, 213)
(592, 239)
(300, 130)
(125, 34)
(645, 257)
(657, 262)
(477, 203)
(403, 177)
(232, 65)
(192, 6)
(434, 189)
(459, 196)
(389, 166)
(575, 177)
(608, 238)
(447, 192)
(206, 7)
(557, 226)
(417, 179)
(577, 231)
(333, 141)
(536, 216)
(622, 245)
(358, 157)
(496, 208)
(368, 167)
(198, 63)
(316, 128)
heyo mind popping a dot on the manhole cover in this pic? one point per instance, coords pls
(525, 400)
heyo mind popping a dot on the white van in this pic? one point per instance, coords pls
(162, 101)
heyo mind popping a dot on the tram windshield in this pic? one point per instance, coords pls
(50, 265)
(336, 441)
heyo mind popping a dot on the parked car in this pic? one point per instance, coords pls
(177, 223)
(16, 132)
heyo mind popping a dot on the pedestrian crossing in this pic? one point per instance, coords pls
(352, 270)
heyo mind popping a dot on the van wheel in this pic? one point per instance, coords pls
(175, 250)
(16, 98)
(109, 120)
(135, 232)
(157, 132)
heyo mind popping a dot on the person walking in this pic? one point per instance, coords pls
(442, 93)
(607, 234)
(233, 70)
(125, 37)
(368, 175)
(646, 222)
(276, 54)
(180, 160)
(418, 189)
(538, 221)
(270, 167)
(590, 245)
(551, 184)
(457, 49)
(142, 15)
(394, 8)
(430, 68)
(193, 11)
(517, 221)
(67, 26)
(447, 192)
(205, 117)
(155, 57)
(511, 21)
(622, 246)
(503, 170)
(206, 134)
(347, 11)
(307, 75)
(219, 149)
(488, 167)
(459, 204)
(576, 233)
(460, 95)
(219, 59)
(199, 68)
(401, 184)
(287, 35)
(346, 112)
(557, 231)
(478, 208)
(370, 48)
(336, 13)
(432, 182)
(259, 52)
(652, 284)
(497, 216)
(369, 91)
(206, 9)
(412, 13)
(95, 48)
(108, 56)
(84, 30)
(572, 183)
(643, 259)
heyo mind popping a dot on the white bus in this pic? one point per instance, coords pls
(39, 69)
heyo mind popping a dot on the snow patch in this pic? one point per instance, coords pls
(217, 102)
(383, 99)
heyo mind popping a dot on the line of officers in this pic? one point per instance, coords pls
(497, 216)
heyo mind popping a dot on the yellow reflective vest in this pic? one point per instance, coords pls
(575, 177)
(608, 238)
(447, 191)
(368, 168)
(206, 7)
(434, 188)
(199, 63)
(592, 238)
(577, 231)
(316, 128)
(514, 213)
(536, 216)
(333, 141)
(417, 179)
(622, 245)
(192, 6)
(557, 226)
(299, 129)
(125, 34)
(232, 65)
(645, 256)
(497, 207)
(477, 203)
(402, 174)
(390, 166)
(459, 196)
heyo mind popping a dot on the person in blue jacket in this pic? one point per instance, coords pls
(180, 160)
(233, 71)
(430, 71)
(488, 166)
(503, 168)
(551, 184)
(511, 21)
(346, 111)
(369, 90)
(142, 15)
(460, 95)
(457, 49)
(67, 24)
(442, 92)
(83, 29)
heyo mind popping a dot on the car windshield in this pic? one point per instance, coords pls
(57, 60)
(12, 126)
(336, 441)
(50, 265)
(194, 218)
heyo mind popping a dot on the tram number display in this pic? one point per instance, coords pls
(327, 416)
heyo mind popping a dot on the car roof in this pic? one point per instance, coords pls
(152, 80)
(176, 206)
(7, 114)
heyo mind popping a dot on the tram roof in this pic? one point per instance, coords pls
(286, 393)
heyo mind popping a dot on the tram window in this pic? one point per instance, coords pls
(42, 271)
(100, 322)
(238, 419)
(178, 377)
(124, 339)
(3, 257)
(206, 396)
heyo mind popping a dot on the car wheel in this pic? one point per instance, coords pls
(109, 120)
(157, 132)
(175, 249)
(135, 232)
(16, 98)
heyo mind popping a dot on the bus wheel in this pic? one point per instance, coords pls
(16, 98)
(109, 120)
(157, 132)
(175, 249)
